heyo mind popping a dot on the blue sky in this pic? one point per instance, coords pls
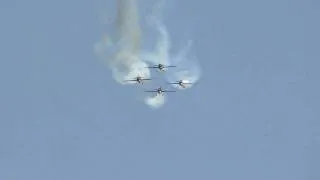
(253, 115)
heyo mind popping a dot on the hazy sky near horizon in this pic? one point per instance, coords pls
(253, 115)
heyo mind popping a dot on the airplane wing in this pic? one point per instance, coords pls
(179, 83)
(151, 91)
(158, 67)
(137, 80)
(168, 91)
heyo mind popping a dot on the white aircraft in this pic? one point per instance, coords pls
(181, 83)
(161, 67)
(159, 91)
(139, 79)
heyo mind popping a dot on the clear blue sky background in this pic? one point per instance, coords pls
(253, 115)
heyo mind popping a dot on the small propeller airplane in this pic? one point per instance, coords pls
(161, 67)
(159, 91)
(181, 83)
(139, 79)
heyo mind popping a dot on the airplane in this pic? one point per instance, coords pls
(160, 67)
(159, 91)
(139, 79)
(181, 83)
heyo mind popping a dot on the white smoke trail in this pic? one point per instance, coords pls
(121, 50)
(156, 101)
(187, 70)
(160, 55)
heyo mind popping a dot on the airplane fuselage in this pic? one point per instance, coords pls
(159, 91)
(181, 83)
(139, 80)
(161, 67)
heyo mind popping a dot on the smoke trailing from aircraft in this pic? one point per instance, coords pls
(121, 50)
(187, 68)
(156, 101)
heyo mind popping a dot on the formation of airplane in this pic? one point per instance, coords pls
(161, 67)
(159, 91)
(181, 83)
(139, 79)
